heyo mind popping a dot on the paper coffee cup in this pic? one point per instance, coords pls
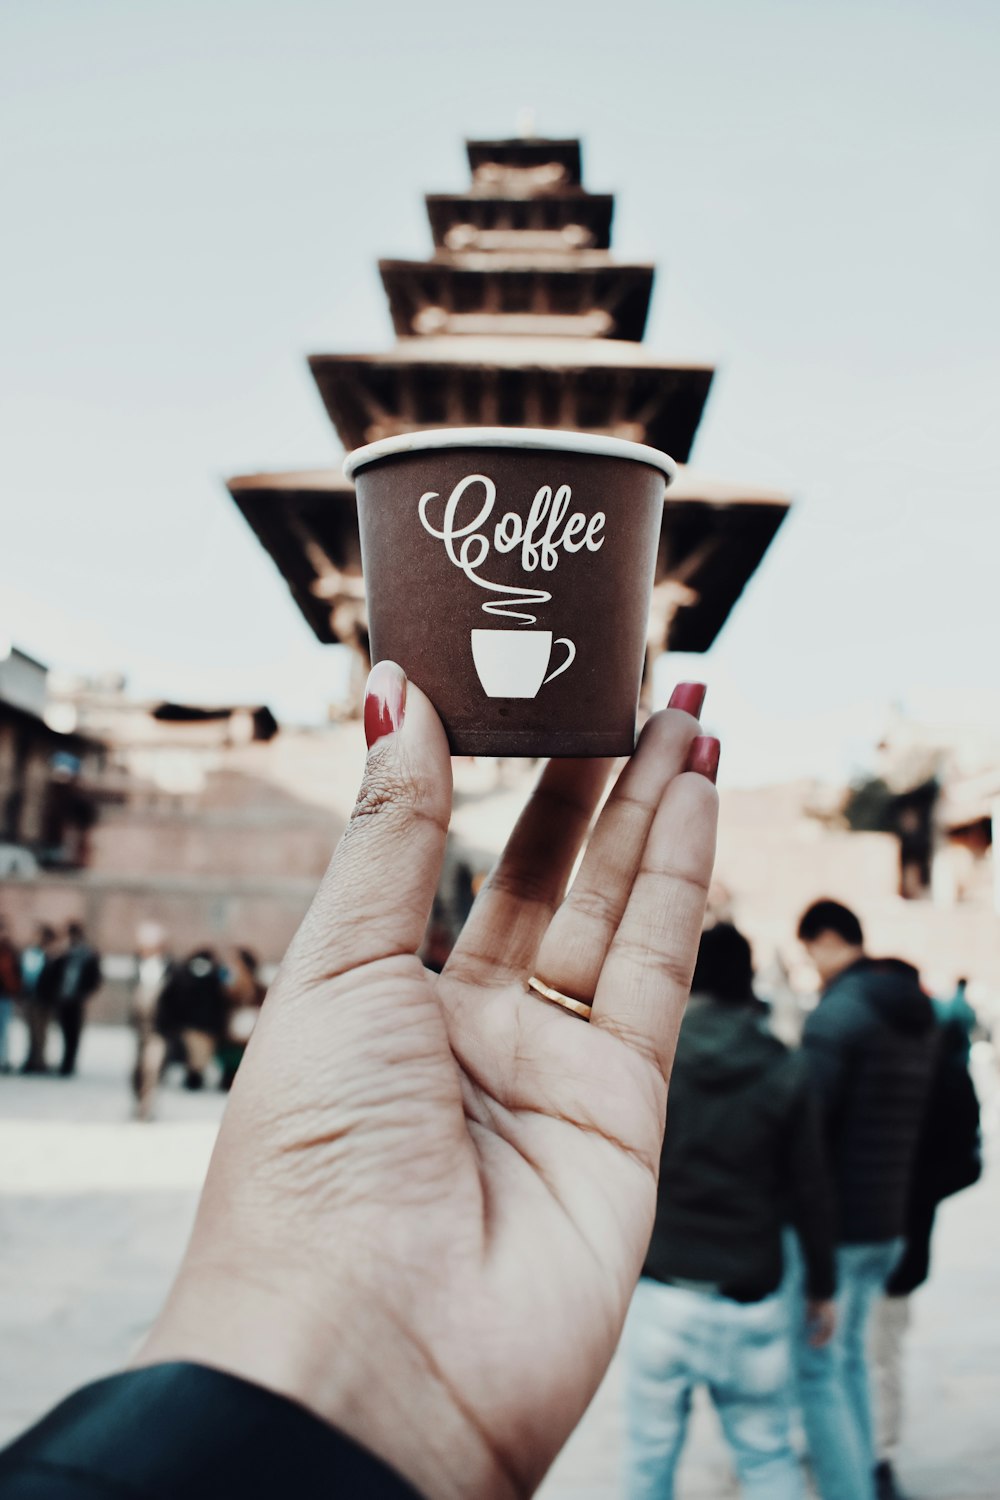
(508, 572)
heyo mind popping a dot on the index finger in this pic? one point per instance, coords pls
(376, 896)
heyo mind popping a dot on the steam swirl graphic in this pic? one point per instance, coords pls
(475, 548)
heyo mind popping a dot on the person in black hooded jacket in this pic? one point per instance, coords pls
(870, 1045)
(742, 1150)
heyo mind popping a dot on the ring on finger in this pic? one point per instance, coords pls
(580, 1008)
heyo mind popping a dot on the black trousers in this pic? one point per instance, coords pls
(71, 1022)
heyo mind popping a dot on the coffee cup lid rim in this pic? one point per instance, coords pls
(509, 437)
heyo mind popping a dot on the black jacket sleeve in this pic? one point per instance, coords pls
(90, 979)
(49, 981)
(810, 1192)
(176, 1430)
(827, 1042)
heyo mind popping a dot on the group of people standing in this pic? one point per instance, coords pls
(188, 1012)
(796, 1201)
(52, 979)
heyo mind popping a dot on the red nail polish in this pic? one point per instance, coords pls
(703, 756)
(689, 697)
(385, 701)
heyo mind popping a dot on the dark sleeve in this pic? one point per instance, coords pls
(166, 1005)
(179, 1430)
(91, 979)
(47, 984)
(809, 1189)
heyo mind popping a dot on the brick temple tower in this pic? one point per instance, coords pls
(521, 317)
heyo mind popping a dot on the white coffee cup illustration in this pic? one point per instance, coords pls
(512, 663)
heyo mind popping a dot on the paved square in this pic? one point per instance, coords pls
(95, 1210)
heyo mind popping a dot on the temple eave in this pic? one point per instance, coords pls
(713, 537)
(373, 397)
(495, 294)
(498, 352)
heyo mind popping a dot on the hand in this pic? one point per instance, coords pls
(821, 1318)
(431, 1195)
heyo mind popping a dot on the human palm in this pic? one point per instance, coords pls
(432, 1194)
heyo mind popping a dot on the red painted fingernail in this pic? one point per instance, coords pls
(385, 701)
(703, 756)
(689, 697)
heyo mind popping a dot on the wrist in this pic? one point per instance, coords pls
(356, 1368)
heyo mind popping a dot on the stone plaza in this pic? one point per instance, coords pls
(95, 1210)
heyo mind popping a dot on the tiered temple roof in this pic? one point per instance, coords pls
(584, 385)
(521, 317)
(565, 219)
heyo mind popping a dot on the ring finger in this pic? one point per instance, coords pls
(576, 942)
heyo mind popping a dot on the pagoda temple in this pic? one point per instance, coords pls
(521, 317)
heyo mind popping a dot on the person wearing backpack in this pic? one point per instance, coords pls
(870, 1045)
(949, 1159)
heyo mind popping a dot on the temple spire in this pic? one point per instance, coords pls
(520, 317)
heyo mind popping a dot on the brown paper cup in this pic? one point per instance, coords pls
(508, 572)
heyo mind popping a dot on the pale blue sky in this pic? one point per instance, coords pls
(195, 194)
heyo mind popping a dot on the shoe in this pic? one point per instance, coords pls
(886, 1487)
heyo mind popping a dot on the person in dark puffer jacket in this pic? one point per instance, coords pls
(870, 1046)
(742, 1147)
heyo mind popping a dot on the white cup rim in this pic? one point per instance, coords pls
(542, 438)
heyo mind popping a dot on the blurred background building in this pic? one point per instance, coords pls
(217, 822)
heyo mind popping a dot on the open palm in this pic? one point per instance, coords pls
(432, 1195)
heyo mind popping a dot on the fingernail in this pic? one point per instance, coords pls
(689, 697)
(385, 701)
(703, 756)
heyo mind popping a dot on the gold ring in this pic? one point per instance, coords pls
(578, 1007)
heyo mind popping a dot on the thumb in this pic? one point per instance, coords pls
(376, 896)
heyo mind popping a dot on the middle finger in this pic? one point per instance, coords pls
(501, 935)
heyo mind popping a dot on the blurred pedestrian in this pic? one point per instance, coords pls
(957, 1010)
(244, 997)
(948, 1160)
(152, 974)
(76, 976)
(870, 1046)
(742, 1147)
(37, 995)
(192, 1008)
(10, 990)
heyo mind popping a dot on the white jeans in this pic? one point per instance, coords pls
(676, 1339)
(890, 1320)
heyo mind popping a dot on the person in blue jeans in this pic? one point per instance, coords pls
(870, 1048)
(742, 1143)
(832, 1380)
